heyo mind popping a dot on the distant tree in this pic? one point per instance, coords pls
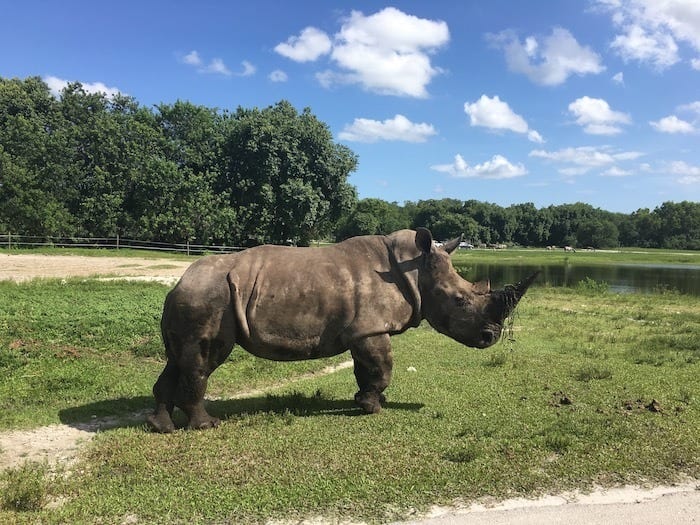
(678, 225)
(597, 233)
(371, 217)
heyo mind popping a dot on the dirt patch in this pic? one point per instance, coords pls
(20, 268)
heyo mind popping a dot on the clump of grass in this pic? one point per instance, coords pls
(592, 286)
(496, 359)
(557, 442)
(25, 488)
(592, 372)
(463, 454)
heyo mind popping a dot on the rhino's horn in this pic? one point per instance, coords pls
(512, 293)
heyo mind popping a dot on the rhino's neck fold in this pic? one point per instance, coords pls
(407, 267)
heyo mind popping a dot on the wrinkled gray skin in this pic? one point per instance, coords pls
(288, 304)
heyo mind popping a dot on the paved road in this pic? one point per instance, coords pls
(678, 505)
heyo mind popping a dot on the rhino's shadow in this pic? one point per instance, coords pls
(109, 414)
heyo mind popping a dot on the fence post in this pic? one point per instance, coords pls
(188, 247)
(9, 241)
(117, 241)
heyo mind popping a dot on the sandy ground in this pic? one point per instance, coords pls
(25, 267)
(678, 504)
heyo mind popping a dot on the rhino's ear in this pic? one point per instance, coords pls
(424, 240)
(482, 287)
(450, 246)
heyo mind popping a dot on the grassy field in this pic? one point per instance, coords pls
(588, 388)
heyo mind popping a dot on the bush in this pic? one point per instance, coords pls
(592, 286)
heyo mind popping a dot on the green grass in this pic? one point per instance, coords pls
(567, 404)
(542, 257)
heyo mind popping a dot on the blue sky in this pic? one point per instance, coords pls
(545, 101)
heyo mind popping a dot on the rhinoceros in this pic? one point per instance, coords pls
(287, 303)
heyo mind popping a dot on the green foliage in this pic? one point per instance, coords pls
(25, 488)
(90, 165)
(592, 286)
(372, 217)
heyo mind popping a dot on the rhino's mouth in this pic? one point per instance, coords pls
(487, 336)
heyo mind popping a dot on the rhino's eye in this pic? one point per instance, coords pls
(460, 300)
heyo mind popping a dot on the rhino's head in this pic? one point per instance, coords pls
(470, 313)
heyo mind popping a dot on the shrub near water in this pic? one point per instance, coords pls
(567, 403)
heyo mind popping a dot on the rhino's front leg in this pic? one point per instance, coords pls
(373, 363)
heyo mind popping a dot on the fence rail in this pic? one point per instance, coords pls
(12, 241)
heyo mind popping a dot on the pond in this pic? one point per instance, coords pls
(621, 278)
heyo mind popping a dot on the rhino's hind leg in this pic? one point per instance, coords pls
(164, 393)
(373, 363)
(197, 362)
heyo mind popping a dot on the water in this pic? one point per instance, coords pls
(621, 278)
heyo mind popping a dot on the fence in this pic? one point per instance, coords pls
(11, 240)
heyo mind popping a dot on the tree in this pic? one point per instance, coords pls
(32, 189)
(286, 176)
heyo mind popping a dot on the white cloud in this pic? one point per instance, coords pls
(650, 30)
(614, 171)
(387, 52)
(493, 113)
(56, 86)
(399, 128)
(596, 117)
(679, 167)
(689, 174)
(657, 48)
(619, 79)
(215, 65)
(577, 161)
(497, 168)
(550, 62)
(693, 107)
(278, 76)
(695, 63)
(672, 124)
(192, 58)
(307, 47)
(248, 69)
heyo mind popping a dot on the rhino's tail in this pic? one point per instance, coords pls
(237, 302)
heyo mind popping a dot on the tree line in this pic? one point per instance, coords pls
(671, 225)
(85, 164)
(88, 165)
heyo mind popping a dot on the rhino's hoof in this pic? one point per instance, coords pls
(161, 423)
